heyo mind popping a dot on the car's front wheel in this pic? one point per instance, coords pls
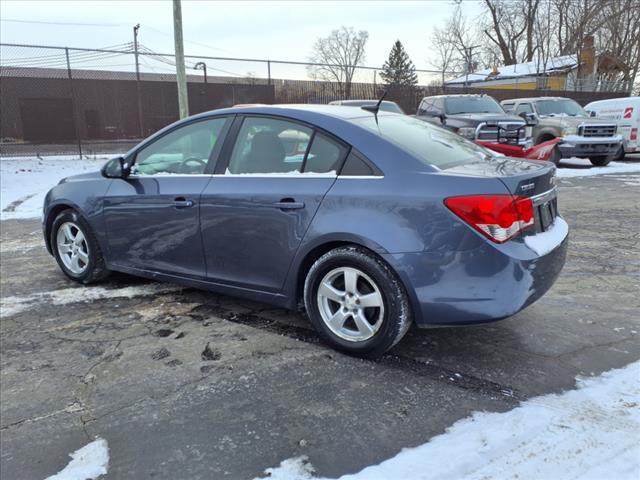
(76, 249)
(356, 302)
(600, 161)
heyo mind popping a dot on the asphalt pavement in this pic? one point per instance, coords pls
(186, 384)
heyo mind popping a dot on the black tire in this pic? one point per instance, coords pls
(395, 320)
(555, 156)
(619, 154)
(600, 161)
(94, 269)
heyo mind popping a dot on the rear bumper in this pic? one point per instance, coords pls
(576, 146)
(480, 285)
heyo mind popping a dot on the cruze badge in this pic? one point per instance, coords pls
(527, 186)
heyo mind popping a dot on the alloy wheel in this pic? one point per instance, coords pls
(350, 304)
(72, 248)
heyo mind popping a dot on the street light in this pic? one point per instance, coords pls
(201, 66)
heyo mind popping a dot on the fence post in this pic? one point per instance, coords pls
(74, 110)
(268, 72)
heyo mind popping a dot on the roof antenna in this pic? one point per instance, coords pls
(374, 109)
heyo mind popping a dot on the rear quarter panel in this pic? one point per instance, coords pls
(393, 215)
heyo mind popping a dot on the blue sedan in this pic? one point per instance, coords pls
(371, 221)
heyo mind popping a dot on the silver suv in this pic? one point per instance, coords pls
(564, 118)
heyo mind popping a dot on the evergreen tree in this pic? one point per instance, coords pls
(399, 70)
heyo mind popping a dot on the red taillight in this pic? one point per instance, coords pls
(497, 217)
(634, 134)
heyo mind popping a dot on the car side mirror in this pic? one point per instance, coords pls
(437, 114)
(116, 168)
(530, 118)
(592, 113)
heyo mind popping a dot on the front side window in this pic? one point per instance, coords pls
(484, 104)
(183, 151)
(431, 145)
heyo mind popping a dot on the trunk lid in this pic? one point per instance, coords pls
(525, 178)
(521, 177)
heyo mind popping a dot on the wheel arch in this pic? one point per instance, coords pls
(298, 274)
(52, 212)
(545, 136)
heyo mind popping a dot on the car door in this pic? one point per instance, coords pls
(256, 210)
(152, 217)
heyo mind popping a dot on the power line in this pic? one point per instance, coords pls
(12, 20)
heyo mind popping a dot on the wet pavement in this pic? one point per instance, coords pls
(188, 384)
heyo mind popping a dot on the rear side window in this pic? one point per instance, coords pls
(508, 107)
(524, 108)
(324, 156)
(431, 145)
(267, 145)
(356, 166)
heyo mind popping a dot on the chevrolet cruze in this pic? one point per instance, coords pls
(370, 221)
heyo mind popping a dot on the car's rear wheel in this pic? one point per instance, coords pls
(76, 249)
(356, 302)
(600, 161)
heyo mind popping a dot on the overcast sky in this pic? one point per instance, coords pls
(275, 30)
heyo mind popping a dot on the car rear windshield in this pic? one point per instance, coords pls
(455, 105)
(430, 144)
(560, 107)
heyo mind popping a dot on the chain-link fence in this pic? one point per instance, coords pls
(74, 101)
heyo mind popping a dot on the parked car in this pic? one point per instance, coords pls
(475, 117)
(564, 118)
(385, 106)
(626, 112)
(383, 221)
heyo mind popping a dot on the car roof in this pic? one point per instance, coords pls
(355, 102)
(533, 99)
(293, 110)
(459, 95)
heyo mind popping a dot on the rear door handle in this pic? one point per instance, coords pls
(181, 202)
(288, 204)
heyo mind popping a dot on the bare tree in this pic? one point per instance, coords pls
(338, 54)
(444, 53)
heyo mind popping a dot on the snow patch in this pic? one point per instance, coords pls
(88, 463)
(592, 432)
(543, 243)
(583, 168)
(17, 304)
(24, 181)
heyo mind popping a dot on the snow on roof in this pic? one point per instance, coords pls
(520, 70)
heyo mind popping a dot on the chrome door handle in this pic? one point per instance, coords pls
(288, 204)
(182, 202)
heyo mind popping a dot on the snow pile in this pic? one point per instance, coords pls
(16, 304)
(87, 463)
(591, 432)
(581, 167)
(543, 243)
(24, 181)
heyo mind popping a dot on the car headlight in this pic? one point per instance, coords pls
(467, 132)
(569, 131)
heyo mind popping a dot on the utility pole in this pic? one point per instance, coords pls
(469, 58)
(138, 91)
(181, 74)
